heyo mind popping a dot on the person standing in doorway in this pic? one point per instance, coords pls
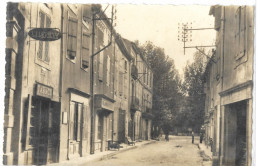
(192, 137)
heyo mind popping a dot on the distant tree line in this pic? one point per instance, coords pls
(177, 103)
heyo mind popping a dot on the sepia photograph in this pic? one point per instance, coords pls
(128, 84)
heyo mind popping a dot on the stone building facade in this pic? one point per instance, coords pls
(229, 86)
(70, 97)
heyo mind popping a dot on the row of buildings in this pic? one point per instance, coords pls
(228, 87)
(71, 97)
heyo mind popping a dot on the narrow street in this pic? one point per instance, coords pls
(179, 151)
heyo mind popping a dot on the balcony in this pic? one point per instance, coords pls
(134, 72)
(134, 104)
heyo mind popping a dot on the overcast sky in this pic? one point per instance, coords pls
(159, 24)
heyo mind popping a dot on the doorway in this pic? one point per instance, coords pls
(44, 130)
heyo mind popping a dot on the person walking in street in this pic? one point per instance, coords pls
(192, 137)
(201, 137)
(167, 136)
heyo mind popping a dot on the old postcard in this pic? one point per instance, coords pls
(125, 84)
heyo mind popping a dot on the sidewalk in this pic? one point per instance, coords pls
(101, 155)
(206, 154)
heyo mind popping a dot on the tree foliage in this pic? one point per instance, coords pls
(166, 86)
(192, 87)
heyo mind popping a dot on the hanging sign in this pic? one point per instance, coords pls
(45, 34)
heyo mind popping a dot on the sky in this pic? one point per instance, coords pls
(159, 24)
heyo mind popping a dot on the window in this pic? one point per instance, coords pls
(100, 68)
(240, 35)
(108, 70)
(85, 50)
(75, 119)
(125, 66)
(72, 38)
(43, 51)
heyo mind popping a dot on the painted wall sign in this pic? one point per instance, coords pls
(45, 34)
(44, 91)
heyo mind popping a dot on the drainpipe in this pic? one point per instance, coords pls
(93, 54)
(222, 85)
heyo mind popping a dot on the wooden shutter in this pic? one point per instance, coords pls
(79, 122)
(121, 83)
(108, 71)
(72, 114)
(72, 37)
(85, 50)
(125, 85)
(40, 50)
(48, 24)
(242, 31)
(100, 69)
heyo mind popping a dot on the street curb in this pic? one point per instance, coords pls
(103, 157)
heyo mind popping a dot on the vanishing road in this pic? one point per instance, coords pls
(179, 151)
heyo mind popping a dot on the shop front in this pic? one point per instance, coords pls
(104, 117)
(79, 124)
(41, 126)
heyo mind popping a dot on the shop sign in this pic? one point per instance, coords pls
(44, 91)
(45, 34)
(104, 104)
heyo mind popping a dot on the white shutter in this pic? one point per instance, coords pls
(71, 118)
(79, 122)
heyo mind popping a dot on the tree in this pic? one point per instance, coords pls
(166, 86)
(192, 88)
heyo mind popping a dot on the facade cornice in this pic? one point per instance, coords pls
(236, 88)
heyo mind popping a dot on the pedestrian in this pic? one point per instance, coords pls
(166, 136)
(192, 137)
(201, 137)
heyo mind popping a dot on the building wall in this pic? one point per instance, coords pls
(75, 78)
(121, 94)
(33, 68)
(229, 99)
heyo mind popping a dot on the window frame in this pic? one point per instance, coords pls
(44, 43)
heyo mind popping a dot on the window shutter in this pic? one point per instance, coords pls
(85, 51)
(40, 50)
(72, 112)
(48, 24)
(108, 70)
(72, 38)
(237, 30)
(125, 86)
(242, 32)
(100, 72)
(121, 83)
(79, 122)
